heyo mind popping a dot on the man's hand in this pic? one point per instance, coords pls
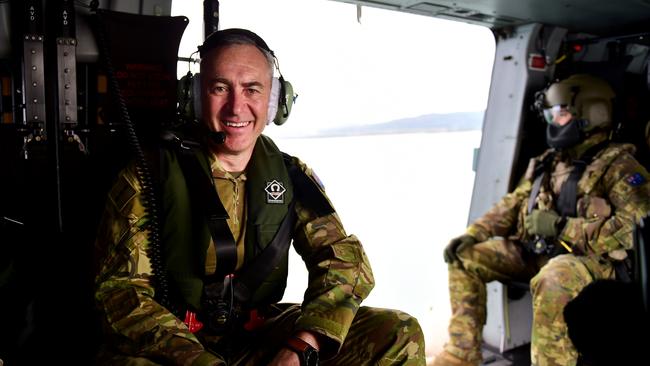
(543, 223)
(456, 245)
(285, 357)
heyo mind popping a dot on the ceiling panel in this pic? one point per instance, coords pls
(591, 16)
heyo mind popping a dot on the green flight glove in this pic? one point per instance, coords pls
(543, 223)
(456, 245)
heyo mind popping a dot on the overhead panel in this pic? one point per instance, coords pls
(478, 17)
(464, 11)
(600, 17)
(429, 8)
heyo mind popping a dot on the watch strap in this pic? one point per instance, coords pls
(301, 347)
(298, 344)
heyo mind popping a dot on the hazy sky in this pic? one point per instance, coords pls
(390, 65)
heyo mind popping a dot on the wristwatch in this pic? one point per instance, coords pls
(308, 355)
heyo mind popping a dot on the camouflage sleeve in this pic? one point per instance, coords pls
(502, 218)
(607, 223)
(340, 276)
(135, 324)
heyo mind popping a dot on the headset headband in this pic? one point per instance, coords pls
(244, 36)
(230, 36)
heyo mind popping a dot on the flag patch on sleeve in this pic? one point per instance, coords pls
(635, 179)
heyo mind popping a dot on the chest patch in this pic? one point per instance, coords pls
(635, 179)
(274, 192)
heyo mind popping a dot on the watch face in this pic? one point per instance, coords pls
(311, 357)
(308, 355)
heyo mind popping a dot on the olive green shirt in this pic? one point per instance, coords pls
(340, 276)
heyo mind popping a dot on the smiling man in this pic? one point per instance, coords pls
(205, 289)
(236, 87)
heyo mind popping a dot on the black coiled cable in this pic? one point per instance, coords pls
(143, 172)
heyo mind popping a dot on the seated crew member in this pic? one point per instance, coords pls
(569, 222)
(208, 295)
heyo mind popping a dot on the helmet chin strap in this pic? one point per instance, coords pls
(569, 135)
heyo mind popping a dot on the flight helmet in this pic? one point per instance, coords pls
(588, 98)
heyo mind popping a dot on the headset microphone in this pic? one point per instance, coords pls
(218, 137)
(170, 138)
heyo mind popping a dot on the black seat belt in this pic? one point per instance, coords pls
(566, 202)
(249, 278)
(540, 172)
(642, 259)
(205, 194)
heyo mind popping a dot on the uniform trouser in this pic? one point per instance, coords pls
(553, 284)
(376, 337)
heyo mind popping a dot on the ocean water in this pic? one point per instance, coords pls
(404, 196)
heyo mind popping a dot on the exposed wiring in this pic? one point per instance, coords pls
(143, 171)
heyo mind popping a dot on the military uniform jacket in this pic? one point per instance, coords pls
(340, 277)
(613, 194)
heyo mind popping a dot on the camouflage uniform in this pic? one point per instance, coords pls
(613, 194)
(142, 332)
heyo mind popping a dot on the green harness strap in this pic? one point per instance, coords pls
(186, 233)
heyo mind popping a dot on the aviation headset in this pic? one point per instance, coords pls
(282, 96)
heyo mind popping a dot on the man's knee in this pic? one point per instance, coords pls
(395, 332)
(562, 275)
(391, 322)
(408, 338)
(410, 327)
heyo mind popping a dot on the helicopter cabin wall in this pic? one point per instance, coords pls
(528, 58)
(55, 170)
(520, 67)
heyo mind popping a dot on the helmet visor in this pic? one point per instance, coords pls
(558, 114)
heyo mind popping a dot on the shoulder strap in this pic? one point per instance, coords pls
(249, 278)
(540, 172)
(566, 202)
(253, 274)
(306, 189)
(642, 259)
(204, 193)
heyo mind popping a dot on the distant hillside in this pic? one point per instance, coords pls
(461, 121)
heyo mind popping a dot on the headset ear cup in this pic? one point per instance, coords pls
(274, 101)
(196, 96)
(285, 102)
(185, 97)
(280, 101)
